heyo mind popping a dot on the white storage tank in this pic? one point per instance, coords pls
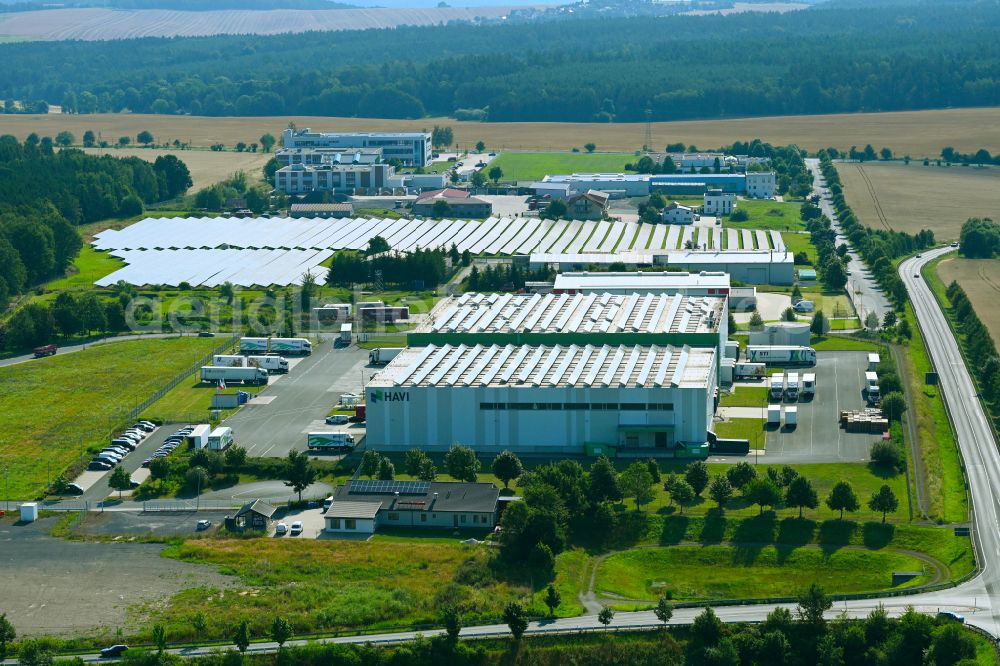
(782, 333)
(29, 512)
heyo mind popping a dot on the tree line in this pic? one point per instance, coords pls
(829, 59)
(978, 344)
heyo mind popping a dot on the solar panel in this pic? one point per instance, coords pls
(380, 487)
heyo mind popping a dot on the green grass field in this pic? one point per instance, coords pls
(55, 408)
(843, 343)
(697, 573)
(535, 166)
(329, 585)
(750, 429)
(89, 266)
(796, 243)
(745, 396)
(767, 215)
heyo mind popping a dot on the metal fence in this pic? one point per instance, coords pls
(163, 390)
(209, 504)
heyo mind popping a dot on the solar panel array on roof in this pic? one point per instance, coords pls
(380, 487)
(587, 366)
(301, 235)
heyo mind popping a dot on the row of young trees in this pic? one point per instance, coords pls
(978, 344)
(878, 247)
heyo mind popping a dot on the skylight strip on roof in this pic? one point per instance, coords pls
(640, 316)
(468, 379)
(470, 357)
(647, 367)
(613, 366)
(586, 306)
(402, 378)
(530, 366)
(514, 365)
(661, 374)
(570, 354)
(430, 365)
(447, 365)
(681, 365)
(553, 311)
(661, 304)
(633, 359)
(546, 365)
(597, 366)
(524, 308)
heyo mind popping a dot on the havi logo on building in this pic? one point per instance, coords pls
(388, 396)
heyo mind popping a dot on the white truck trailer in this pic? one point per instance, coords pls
(275, 365)
(743, 370)
(872, 392)
(383, 355)
(229, 361)
(777, 385)
(275, 346)
(792, 386)
(791, 416)
(216, 374)
(809, 385)
(781, 355)
(198, 439)
(773, 414)
(340, 442)
(346, 333)
(220, 438)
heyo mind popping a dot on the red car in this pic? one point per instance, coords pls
(47, 350)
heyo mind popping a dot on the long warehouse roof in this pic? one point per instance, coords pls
(646, 280)
(574, 366)
(576, 313)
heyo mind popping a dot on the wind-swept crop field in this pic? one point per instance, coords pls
(980, 278)
(207, 167)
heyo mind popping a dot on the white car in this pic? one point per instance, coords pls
(281, 529)
(297, 527)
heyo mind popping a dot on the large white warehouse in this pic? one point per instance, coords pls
(576, 399)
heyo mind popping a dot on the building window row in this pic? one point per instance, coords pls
(577, 406)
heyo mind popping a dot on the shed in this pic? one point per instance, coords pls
(352, 517)
(807, 274)
(255, 515)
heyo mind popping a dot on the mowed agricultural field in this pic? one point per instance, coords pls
(914, 197)
(980, 278)
(535, 166)
(918, 133)
(54, 408)
(207, 167)
(98, 23)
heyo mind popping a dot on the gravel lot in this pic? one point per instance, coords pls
(62, 587)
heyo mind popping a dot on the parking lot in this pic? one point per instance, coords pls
(160, 523)
(278, 419)
(818, 437)
(96, 483)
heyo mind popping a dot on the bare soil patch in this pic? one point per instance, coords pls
(980, 278)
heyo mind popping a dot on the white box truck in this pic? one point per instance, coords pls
(346, 333)
(777, 385)
(809, 384)
(781, 355)
(792, 386)
(220, 438)
(383, 355)
(330, 441)
(198, 439)
(873, 361)
(275, 365)
(871, 387)
(229, 361)
(773, 414)
(750, 370)
(253, 345)
(791, 417)
(215, 374)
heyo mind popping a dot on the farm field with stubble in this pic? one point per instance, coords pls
(914, 197)
(207, 167)
(980, 278)
(918, 133)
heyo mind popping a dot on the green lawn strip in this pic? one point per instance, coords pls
(55, 409)
(939, 453)
(751, 429)
(768, 215)
(843, 343)
(795, 243)
(332, 585)
(745, 396)
(537, 165)
(844, 324)
(189, 401)
(787, 531)
(571, 570)
(703, 573)
(88, 267)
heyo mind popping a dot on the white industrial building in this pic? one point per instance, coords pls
(340, 178)
(760, 184)
(677, 213)
(717, 202)
(643, 282)
(576, 399)
(411, 148)
(749, 266)
(617, 185)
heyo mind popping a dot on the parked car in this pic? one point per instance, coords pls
(281, 529)
(204, 525)
(951, 615)
(297, 527)
(98, 466)
(113, 651)
(74, 489)
(206, 334)
(954, 244)
(336, 419)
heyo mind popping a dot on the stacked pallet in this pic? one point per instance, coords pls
(869, 420)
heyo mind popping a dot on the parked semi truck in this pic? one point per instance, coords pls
(346, 333)
(275, 346)
(781, 355)
(215, 374)
(229, 361)
(220, 438)
(383, 355)
(792, 386)
(275, 365)
(808, 385)
(330, 441)
(750, 370)
(777, 385)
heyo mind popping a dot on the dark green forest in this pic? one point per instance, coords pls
(45, 193)
(827, 59)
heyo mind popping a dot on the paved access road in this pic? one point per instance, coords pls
(862, 288)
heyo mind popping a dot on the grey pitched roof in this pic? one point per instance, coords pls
(256, 506)
(421, 496)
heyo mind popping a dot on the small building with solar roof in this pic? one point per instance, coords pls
(551, 399)
(360, 506)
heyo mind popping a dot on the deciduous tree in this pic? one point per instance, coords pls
(842, 498)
